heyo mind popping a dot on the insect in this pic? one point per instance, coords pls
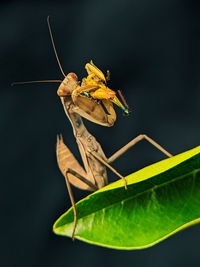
(93, 100)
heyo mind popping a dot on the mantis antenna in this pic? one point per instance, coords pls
(56, 54)
(54, 47)
(42, 81)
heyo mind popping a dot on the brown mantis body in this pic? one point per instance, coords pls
(95, 162)
(94, 176)
(92, 100)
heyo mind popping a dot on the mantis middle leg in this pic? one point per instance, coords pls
(137, 139)
(124, 149)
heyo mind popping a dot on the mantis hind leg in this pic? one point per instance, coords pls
(73, 203)
(73, 173)
(66, 160)
(83, 179)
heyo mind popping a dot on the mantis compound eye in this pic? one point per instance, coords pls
(68, 85)
(72, 75)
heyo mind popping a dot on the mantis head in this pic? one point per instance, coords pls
(92, 99)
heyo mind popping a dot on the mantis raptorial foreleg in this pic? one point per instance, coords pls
(140, 137)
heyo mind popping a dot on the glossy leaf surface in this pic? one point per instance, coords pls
(161, 199)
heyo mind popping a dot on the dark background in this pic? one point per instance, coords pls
(152, 49)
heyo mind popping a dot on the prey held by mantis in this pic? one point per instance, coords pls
(93, 100)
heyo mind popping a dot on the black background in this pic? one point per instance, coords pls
(152, 49)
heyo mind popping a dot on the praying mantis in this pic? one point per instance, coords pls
(92, 100)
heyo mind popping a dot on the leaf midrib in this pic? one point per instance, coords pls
(138, 194)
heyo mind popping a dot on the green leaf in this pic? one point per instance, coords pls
(161, 199)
